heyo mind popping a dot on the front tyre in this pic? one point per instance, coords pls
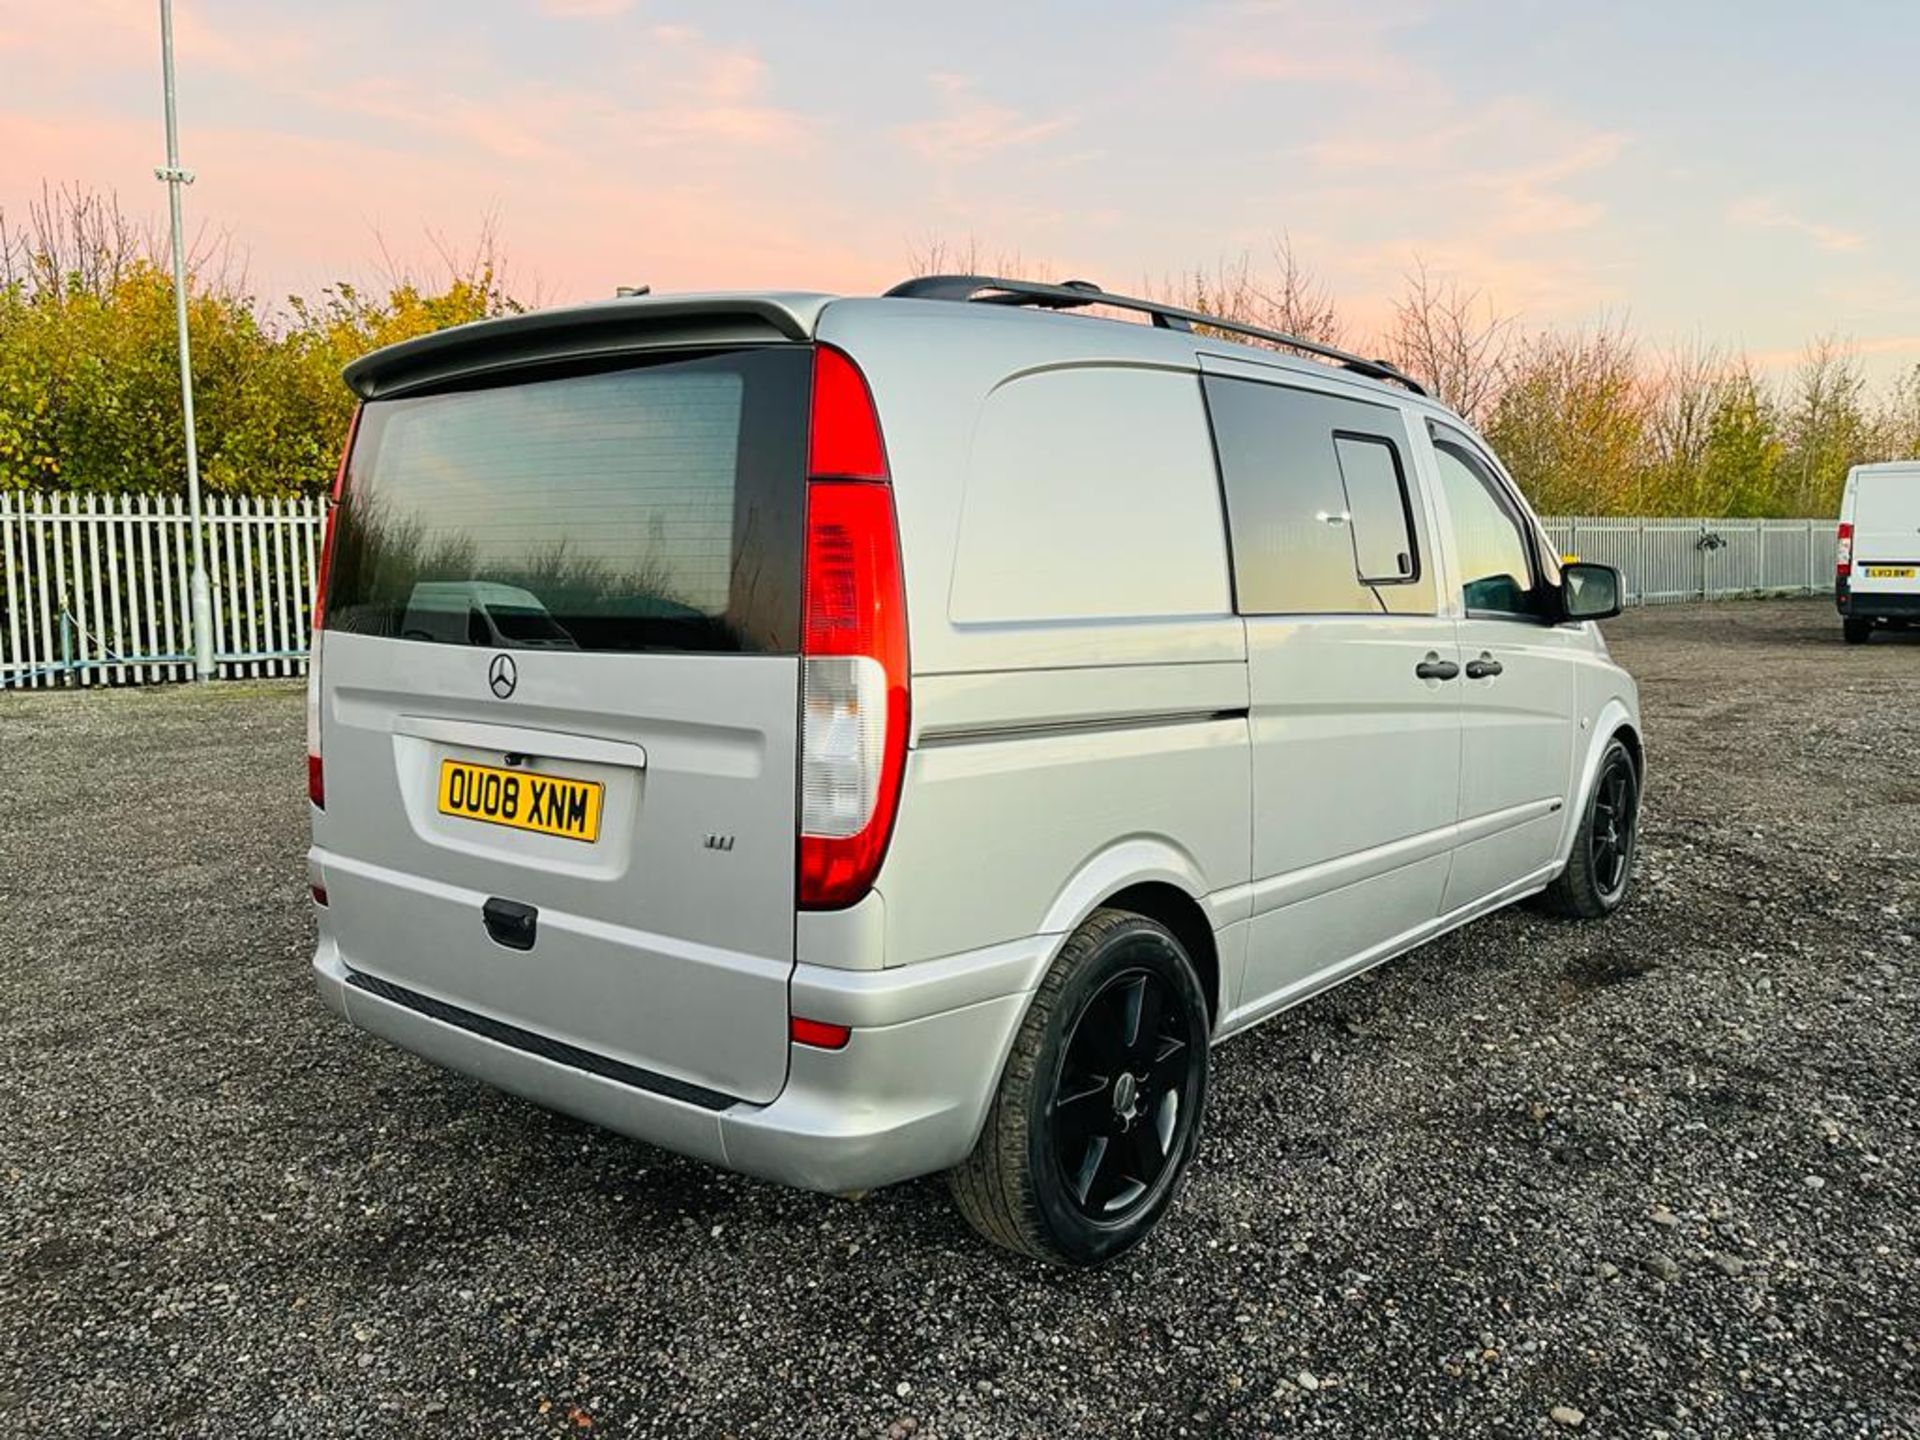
(1600, 870)
(1098, 1113)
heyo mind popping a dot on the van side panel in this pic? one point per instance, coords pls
(1079, 677)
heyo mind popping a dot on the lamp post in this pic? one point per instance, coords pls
(201, 595)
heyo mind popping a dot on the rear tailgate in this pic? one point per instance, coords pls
(560, 671)
(1886, 533)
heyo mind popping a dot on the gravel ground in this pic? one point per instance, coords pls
(1657, 1172)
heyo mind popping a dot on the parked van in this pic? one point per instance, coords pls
(971, 712)
(1876, 577)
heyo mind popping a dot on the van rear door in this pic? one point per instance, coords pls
(559, 698)
(1886, 532)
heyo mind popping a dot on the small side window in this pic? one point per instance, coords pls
(1377, 502)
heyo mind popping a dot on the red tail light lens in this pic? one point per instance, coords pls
(819, 1034)
(854, 701)
(316, 777)
(845, 439)
(326, 541)
(1843, 553)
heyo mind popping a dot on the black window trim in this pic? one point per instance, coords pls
(1414, 576)
(1507, 497)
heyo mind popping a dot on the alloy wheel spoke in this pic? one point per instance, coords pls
(1083, 1109)
(1087, 1174)
(1168, 1070)
(1144, 1157)
(1109, 1179)
(1099, 1041)
(1144, 1012)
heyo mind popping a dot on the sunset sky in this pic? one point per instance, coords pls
(1742, 173)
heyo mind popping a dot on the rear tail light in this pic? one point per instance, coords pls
(1843, 552)
(853, 733)
(316, 771)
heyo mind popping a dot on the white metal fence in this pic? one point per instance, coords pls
(1666, 560)
(93, 588)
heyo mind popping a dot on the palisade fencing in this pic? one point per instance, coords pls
(93, 588)
(1667, 560)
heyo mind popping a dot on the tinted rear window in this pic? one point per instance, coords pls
(657, 506)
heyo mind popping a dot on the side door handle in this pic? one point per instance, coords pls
(1484, 668)
(1434, 668)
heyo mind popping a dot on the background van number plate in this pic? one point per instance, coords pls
(1889, 572)
(545, 804)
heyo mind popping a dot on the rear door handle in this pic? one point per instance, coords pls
(1434, 668)
(1484, 668)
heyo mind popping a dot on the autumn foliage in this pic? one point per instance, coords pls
(1590, 421)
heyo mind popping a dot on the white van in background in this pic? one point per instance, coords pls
(1876, 577)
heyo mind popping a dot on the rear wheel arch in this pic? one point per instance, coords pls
(1187, 920)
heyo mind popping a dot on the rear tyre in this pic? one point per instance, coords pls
(1098, 1113)
(1855, 632)
(1600, 871)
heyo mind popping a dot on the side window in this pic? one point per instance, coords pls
(1492, 547)
(1320, 507)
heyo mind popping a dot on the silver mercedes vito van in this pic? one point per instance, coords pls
(844, 739)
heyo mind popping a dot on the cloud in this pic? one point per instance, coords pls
(1789, 357)
(974, 128)
(586, 9)
(1313, 44)
(1767, 212)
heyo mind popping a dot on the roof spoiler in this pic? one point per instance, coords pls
(581, 332)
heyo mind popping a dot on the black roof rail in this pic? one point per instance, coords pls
(1073, 294)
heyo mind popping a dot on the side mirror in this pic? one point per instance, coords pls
(1590, 592)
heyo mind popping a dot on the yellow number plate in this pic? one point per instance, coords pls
(545, 804)
(1891, 572)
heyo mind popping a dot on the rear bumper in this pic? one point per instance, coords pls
(906, 1096)
(1878, 604)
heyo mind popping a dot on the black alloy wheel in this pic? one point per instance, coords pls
(1099, 1109)
(1599, 872)
(1120, 1103)
(1610, 833)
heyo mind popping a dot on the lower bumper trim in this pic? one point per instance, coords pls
(546, 1047)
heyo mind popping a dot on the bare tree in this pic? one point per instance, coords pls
(1452, 339)
(1288, 298)
(1681, 399)
(1897, 420)
(1827, 428)
(1298, 302)
(936, 255)
(78, 241)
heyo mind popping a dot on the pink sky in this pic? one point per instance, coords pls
(1680, 171)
